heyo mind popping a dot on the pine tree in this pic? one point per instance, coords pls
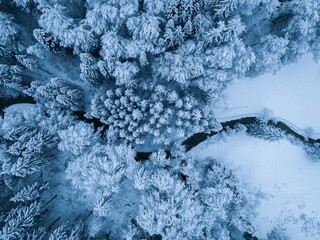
(19, 220)
(145, 27)
(266, 132)
(55, 21)
(36, 234)
(174, 213)
(224, 8)
(29, 193)
(124, 73)
(24, 166)
(272, 52)
(8, 30)
(77, 138)
(100, 170)
(102, 207)
(57, 92)
(50, 43)
(27, 61)
(6, 55)
(112, 48)
(67, 231)
(89, 69)
(141, 179)
(10, 77)
(23, 3)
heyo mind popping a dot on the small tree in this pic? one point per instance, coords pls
(8, 30)
(29, 193)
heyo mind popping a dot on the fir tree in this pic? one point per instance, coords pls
(29, 193)
(77, 138)
(19, 220)
(8, 30)
(10, 77)
(50, 43)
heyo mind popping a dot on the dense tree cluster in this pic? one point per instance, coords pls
(27, 144)
(176, 197)
(152, 73)
(164, 115)
(195, 47)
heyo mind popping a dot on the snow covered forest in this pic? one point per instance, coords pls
(159, 119)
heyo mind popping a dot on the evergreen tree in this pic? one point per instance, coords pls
(27, 61)
(101, 170)
(67, 231)
(173, 213)
(19, 220)
(10, 77)
(89, 69)
(77, 138)
(50, 43)
(57, 92)
(29, 193)
(8, 30)
(54, 20)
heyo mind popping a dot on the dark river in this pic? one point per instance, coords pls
(189, 143)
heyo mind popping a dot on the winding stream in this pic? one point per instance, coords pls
(189, 143)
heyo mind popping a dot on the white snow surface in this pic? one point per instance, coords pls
(280, 170)
(292, 94)
(22, 107)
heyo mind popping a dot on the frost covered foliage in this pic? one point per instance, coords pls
(266, 132)
(101, 169)
(57, 93)
(77, 138)
(207, 202)
(170, 209)
(10, 73)
(8, 29)
(270, 133)
(21, 223)
(27, 147)
(18, 221)
(26, 143)
(29, 193)
(164, 115)
(172, 198)
(194, 47)
(153, 71)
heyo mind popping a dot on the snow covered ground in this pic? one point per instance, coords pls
(21, 107)
(292, 94)
(280, 170)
